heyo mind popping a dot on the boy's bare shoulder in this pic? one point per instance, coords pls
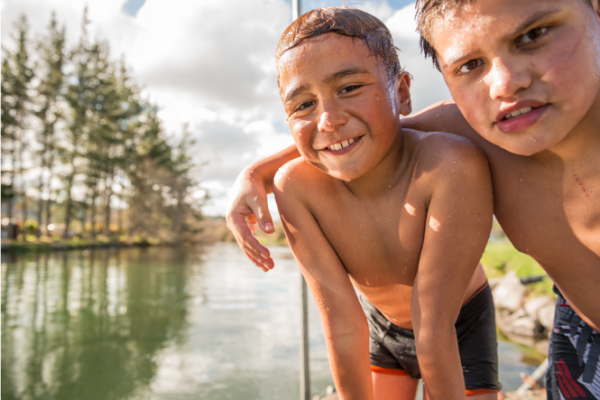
(446, 155)
(295, 176)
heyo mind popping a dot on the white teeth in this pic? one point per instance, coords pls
(515, 114)
(342, 144)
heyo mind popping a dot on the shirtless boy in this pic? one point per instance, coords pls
(415, 265)
(540, 58)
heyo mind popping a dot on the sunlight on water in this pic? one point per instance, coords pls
(159, 323)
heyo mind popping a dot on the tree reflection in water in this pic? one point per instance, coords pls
(88, 325)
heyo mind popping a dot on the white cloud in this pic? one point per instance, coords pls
(210, 63)
(428, 85)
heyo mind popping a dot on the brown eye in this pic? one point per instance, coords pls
(349, 89)
(304, 105)
(469, 66)
(532, 35)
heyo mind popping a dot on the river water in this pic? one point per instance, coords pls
(163, 323)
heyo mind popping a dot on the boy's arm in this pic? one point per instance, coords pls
(344, 324)
(459, 220)
(249, 205)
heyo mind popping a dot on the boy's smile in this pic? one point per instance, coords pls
(342, 109)
(515, 69)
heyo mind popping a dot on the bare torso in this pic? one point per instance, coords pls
(382, 237)
(548, 208)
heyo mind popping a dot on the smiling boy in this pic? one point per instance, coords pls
(415, 265)
(526, 76)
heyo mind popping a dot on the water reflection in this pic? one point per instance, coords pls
(86, 325)
(154, 323)
(160, 323)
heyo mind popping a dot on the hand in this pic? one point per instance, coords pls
(249, 207)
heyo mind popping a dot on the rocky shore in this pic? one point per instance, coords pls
(527, 321)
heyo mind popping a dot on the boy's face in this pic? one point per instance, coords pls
(540, 58)
(341, 107)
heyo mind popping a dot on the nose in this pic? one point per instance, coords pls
(331, 118)
(506, 79)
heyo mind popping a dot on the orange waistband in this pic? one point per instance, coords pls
(401, 372)
(476, 292)
(477, 392)
(388, 371)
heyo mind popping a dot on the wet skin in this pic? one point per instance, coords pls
(401, 215)
(498, 56)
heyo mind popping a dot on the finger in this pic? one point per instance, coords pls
(265, 265)
(264, 218)
(243, 235)
(253, 246)
(251, 219)
(256, 262)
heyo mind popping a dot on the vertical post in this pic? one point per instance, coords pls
(295, 9)
(304, 359)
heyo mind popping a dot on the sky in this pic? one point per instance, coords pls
(210, 64)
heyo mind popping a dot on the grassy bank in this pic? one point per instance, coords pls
(209, 230)
(46, 243)
(500, 257)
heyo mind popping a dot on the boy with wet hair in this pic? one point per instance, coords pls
(525, 75)
(429, 310)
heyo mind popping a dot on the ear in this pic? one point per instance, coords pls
(596, 7)
(403, 88)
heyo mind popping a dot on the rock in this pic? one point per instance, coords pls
(524, 326)
(532, 306)
(545, 316)
(509, 292)
(493, 282)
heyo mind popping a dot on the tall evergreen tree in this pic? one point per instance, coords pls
(50, 93)
(79, 96)
(17, 75)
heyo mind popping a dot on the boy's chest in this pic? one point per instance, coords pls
(379, 243)
(551, 214)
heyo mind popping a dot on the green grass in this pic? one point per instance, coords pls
(500, 257)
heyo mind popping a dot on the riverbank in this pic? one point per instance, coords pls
(210, 230)
(46, 244)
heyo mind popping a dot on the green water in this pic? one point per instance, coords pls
(161, 323)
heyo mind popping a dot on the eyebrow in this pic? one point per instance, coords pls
(532, 20)
(328, 79)
(524, 25)
(295, 92)
(344, 73)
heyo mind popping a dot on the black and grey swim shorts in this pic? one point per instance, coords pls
(392, 348)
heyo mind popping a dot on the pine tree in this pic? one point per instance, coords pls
(17, 75)
(79, 97)
(50, 93)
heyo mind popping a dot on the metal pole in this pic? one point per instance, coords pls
(304, 360)
(295, 9)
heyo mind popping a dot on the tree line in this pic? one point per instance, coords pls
(83, 150)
